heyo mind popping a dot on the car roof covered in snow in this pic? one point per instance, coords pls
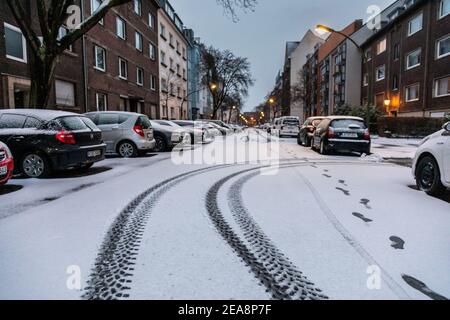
(344, 118)
(42, 114)
(117, 112)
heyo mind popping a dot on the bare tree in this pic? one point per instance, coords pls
(225, 75)
(171, 90)
(46, 45)
(230, 6)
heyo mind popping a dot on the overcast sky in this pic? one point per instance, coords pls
(261, 35)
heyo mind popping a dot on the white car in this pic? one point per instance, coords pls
(286, 126)
(431, 166)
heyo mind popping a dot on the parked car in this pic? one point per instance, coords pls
(342, 133)
(224, 131)
(431, 165)
(199, 132)
(213, 131)
(43, 141)
(6, 164)
(125, 133)
(306, 134)
(168, 137)
(286, 126)
(222, 125)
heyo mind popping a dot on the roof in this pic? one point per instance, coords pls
(42, 114)
(343, 118)
(115, 112)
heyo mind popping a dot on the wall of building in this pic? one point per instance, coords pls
(171, 102)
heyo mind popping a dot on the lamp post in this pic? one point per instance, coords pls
(321, 27)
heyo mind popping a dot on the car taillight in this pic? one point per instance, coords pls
(367, 134)
(330, 132)
(138, 129)
(65, 137)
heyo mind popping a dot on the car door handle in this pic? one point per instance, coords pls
(19, 138)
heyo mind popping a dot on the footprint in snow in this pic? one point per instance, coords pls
(365, 202)
(346, 192)
(327, 176)
(362, 217)
(343, 182)
(422, 287)
(397, 243)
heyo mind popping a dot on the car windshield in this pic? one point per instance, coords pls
(291, 122)
(144, 122)
(346, 123)
(75, 123)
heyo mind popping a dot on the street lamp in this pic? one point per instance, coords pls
(321, 27)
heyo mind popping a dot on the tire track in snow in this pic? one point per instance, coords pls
(268, 264)
(111, 277)
(286, 274)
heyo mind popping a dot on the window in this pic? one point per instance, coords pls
(184, 73)
(163, 58)
(415, 24)
(101, 101)
(95, 4)
(380, 73)
(178, 69)
(381, 46)
(395, 83)
(140, 76)
(100, 58)
(396, 51)
(162, 31)
(178, 47)
(152, 52)
(65, 93)
(171, 40)
(138, 41)
(62, 32)
(366, 80)
(413, 59)
(442, 87)
(121, 30)
(153, 82)
(164, 87)
(16, 46)
(123, 69)
(12, 121)
(412, 92)
(151, 20)
(179, 92)
(444, 8)
(184, 53)
(32, 123)
(137, 7)
(368, 54)
(171, 64)
(443, 47)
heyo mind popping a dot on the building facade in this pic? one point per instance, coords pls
(173, 59)
(122, 59)
(67, 91)
(408, 68)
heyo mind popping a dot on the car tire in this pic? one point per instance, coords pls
(428, 177)
(127, 149)
(299, 140)
(161, 144)
(35, 165)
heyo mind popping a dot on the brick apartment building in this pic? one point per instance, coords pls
(68, 89)
(113, 67)
(408, 72)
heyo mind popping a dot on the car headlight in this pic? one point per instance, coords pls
(5, 148)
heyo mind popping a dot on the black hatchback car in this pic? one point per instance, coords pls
(43, 141)
(342, 133)
(306, 133)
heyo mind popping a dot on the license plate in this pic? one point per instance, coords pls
(96, 153)
(3, 170)
(349, 135)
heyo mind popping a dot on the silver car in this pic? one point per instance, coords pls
(126, 133)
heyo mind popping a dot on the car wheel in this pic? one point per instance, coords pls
(299, 140)
(323, 149)
(428, 177)
(127, 149)
(161, 144)
(35, 165)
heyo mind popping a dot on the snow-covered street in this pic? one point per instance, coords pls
(311, 227)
